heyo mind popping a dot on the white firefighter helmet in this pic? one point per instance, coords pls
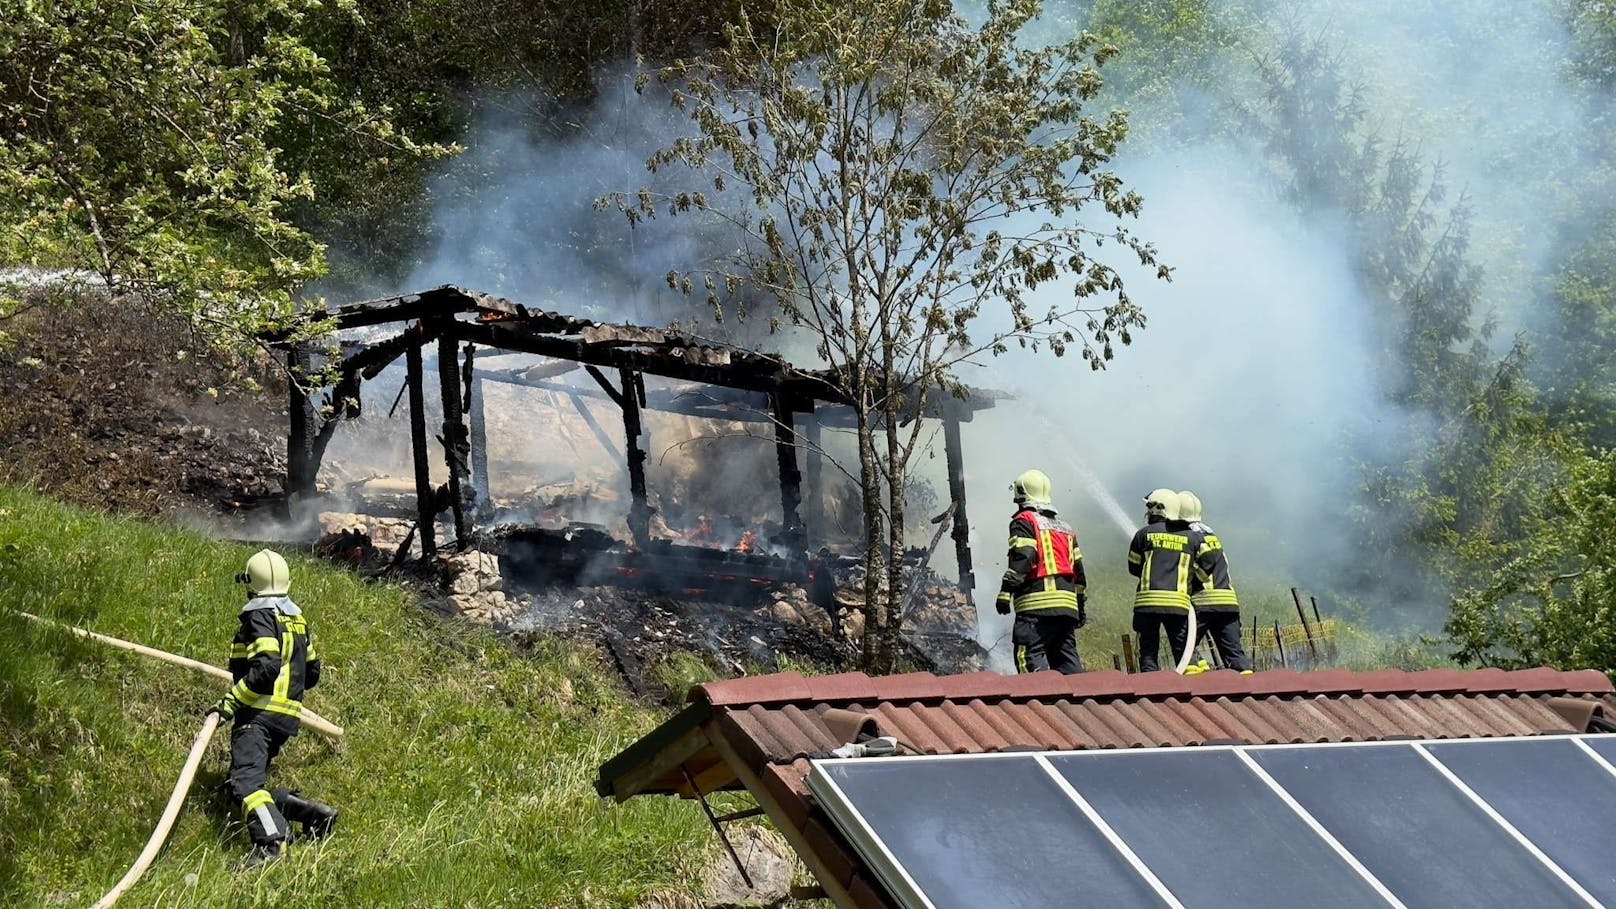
(1162, 503)
(1033, 488)
(1189, 506)
(266, 574)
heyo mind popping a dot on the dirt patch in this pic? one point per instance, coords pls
(109, 405)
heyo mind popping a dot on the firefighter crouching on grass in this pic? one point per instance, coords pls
(1162, 556)
(1217, 609)
(273, 661)
(1044, 582)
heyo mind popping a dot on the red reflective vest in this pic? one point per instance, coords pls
(1054, 546)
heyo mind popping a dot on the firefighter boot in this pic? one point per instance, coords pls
(318, 818)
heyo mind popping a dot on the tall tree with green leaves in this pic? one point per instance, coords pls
(137, 145)
(904, 186)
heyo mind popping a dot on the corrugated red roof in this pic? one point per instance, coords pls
(757, 732)
(776, 717)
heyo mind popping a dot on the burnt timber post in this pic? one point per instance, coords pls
(639, 512)
(301, 465)
(455, 440)
(425, 507)
(479, 447)
(956, 494)
(785, 452)
(814, 516)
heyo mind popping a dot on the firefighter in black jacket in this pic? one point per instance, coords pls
(1217, 609)
(1044, 582)
(273, 662)
(1162, 556)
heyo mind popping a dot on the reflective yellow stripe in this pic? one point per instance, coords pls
(1184, 574)
(238, 651)
(1213, 596)
(1133, 557)
(255, 800)
(264, 645)
(1019, 542)
(1156, 598)
(1144, 573)
(1046, 546)
(1046, 599)
(1021, 658)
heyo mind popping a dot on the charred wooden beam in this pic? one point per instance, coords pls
(594, 427)
(301, 464)
(785, 450)
(455, 439)
(639, 511)
(814, 518)
(424, 504)
(956, 494)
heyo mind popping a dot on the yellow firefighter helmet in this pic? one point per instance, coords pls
(1162, 503)
(1033, 488)
(1189, 506)
(266, 574)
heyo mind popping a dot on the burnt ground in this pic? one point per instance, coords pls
(108, 406)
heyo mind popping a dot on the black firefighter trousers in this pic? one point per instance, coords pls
(1148, 625)
(253, 746)
(1223, 627)
(1046, 640)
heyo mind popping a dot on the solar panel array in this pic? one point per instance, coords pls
(1475, 823)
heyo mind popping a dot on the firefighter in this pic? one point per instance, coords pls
(273, 662)
(1217, 609)
(1044, 583)
(1161, 556)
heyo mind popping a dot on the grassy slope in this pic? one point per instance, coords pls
(465, 780)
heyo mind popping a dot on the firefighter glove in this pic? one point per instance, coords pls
(1002, 603)
(225, 708)
(1082, 611)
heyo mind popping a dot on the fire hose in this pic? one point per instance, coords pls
(170, 813)
(310, 719)
(1189, 644)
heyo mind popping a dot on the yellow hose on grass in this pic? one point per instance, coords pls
(310, 719)
(170, 814)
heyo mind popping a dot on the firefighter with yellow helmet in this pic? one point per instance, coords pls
(1162, 556)
(273, 662)
(1217, 609)
(1043, 583)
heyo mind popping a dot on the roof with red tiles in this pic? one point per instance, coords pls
(757, 733)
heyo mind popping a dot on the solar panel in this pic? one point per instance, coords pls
(1500, 823)
(1604, 745)
(971, 833)
(1206, 823)
(1555, 793)
(1428, 843)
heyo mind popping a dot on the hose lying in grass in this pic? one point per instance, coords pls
(310, 719)
(170, 814)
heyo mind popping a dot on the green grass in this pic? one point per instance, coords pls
(466, 778)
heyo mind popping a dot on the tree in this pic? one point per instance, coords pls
(904, 187)
(1555, 603)
(138, 146)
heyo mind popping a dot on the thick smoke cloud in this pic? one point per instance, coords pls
(1261, 380)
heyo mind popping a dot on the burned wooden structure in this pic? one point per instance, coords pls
(738, 385)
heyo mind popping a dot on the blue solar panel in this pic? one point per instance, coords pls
(971, 833)
(1109, 828)
(1555, 794)
(1605, 745)
(1206, 824)
(1416, 832)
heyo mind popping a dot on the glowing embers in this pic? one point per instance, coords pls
(1479, 823)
